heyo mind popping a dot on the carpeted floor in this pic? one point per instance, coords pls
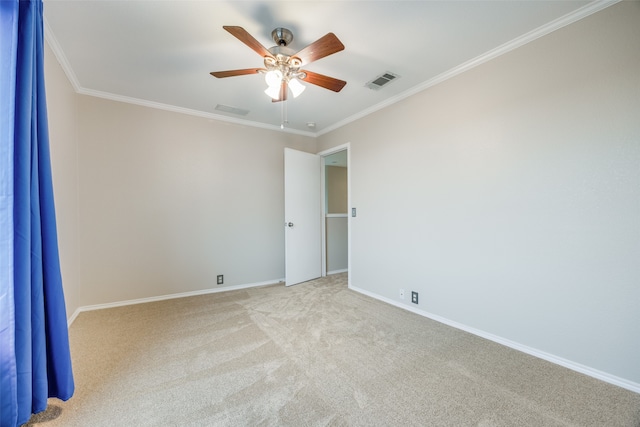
(315, 354)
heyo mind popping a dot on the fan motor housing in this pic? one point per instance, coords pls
(282, 36)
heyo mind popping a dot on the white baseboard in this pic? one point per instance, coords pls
(344, 270)
(71, 319)
(169, 296)
(603, 376)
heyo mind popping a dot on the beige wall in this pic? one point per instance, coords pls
(169, 201)
(152, 202)
(62, 115)
(509, 196)
(336, 187)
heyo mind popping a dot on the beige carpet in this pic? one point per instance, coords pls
(314, 354)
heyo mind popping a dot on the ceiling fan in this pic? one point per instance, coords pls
(282, 65)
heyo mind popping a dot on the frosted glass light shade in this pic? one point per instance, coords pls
(296, 87)
(273, 91)
(273, 78)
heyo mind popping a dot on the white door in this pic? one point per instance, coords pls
(302, 210)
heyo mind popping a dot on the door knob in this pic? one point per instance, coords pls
(289, 224)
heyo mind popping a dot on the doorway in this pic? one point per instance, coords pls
(336, 206)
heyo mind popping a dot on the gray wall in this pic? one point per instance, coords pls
(337, 229)
(509, 196)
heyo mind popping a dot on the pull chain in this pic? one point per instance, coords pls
(283, 112)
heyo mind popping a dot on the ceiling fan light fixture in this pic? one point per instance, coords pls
(273, 92)
(273, 78)
(282, 64)
(296, 87)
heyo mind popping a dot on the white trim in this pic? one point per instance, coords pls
(337, 148)
(594, 373)
(73, 317)
(169, 296)
(64, 63)
(550, 27)
(344, 270)
(188, 111)
(60, 56)
(323, 220)
(335, 215)
(600, 375)
(554, 25)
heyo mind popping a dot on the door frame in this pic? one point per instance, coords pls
(323, 154)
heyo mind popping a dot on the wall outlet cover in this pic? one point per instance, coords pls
(414, 297)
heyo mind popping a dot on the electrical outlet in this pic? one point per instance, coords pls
(401, 293)
(414, 297)
(220, 279)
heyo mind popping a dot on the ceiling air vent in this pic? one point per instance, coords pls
(381, 80)
(232, 110)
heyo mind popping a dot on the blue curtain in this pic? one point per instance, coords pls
(34, 344)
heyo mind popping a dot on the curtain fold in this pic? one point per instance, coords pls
(36, 362)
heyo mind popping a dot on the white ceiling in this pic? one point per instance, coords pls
(160, 53)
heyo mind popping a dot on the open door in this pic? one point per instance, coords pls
(303, 216)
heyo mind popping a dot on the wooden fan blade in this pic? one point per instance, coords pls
(324, 81)
(284, 89)
(324, 46)
(246, 38)
(232, 73)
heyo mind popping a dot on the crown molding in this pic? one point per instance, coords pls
(60, 56)
(548, 28)
(188, 111)
(79, 89)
